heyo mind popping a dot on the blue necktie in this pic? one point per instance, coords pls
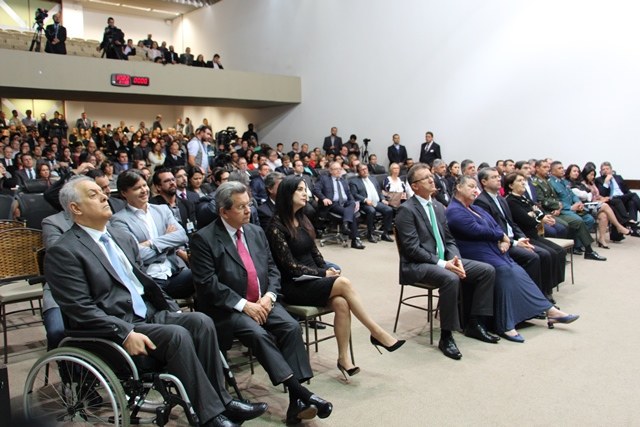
(139, 307)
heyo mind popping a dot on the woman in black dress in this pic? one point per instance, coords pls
(292, 240)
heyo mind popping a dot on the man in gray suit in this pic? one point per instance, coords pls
(96, 277)
(428, 253)
(161, 239)
(237, 284)
(367, 192)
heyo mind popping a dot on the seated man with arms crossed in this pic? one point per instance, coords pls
(95, 275)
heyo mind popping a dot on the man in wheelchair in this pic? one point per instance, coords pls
(95, 276)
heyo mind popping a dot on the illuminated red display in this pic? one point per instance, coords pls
(125, 80)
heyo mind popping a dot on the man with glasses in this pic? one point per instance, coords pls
(428, 254)
(237, 284)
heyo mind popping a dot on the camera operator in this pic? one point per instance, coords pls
(112, 41)
(56, 36)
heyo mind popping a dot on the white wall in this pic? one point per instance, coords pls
(134, 27)
(492, 79)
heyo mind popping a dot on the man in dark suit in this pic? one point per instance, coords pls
(334, 195)
(367, 192)
(613, 186)
(182, 179)
(56, 36)
(95, 275)
(332, 143)
(428, 252)
(258, 187)
(237, 283)
(122, 164)
(83, 122)
(445, 192)
(533, 259)
(268, 208)
(429, 150)
(374, 167)
(397, 153)
(28, 171)
(183, 210)
(186, 58)
(8, 159)
(112, 41)
(175, 157)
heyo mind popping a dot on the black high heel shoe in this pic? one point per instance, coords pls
(346, 371)
(602, 245)
(390, 349)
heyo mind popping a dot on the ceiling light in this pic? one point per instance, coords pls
(105, 2)
(145, 9)
(166, 11)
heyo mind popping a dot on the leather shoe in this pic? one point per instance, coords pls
(239, 411)
(324, 407)
(316, 325)
(577, 251)
(448, 347)
(357, 244)
(386, 238)
(220, 421)
(479, 332)
(371, 239)
(300, 411)
(594, 256)
(634, 232)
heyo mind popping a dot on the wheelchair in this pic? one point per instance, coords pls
(94, 381)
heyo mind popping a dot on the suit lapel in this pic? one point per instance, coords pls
(227, 242)
(139, 223)
(421, 212)
(93, 247)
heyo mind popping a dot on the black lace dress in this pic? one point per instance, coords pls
(296, 257)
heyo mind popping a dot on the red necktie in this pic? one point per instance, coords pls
(252, 276)
(183, 195)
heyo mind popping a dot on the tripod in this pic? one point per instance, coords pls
(37, 38)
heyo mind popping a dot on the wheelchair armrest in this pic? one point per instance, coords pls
(38, 280)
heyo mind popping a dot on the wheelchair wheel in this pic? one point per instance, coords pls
(70, 386)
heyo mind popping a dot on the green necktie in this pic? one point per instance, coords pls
(436, 232)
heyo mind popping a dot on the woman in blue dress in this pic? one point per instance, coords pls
(479, 237)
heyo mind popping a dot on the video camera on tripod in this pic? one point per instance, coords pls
(40, 16)
(225, 136)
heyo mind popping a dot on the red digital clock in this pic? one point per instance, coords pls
(125, 80)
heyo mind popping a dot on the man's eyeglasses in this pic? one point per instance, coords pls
(430, 177)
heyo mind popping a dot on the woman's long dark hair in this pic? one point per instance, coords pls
(284, 206)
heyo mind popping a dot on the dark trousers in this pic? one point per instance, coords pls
(632, 202)
(277, 344)
(188, 345)
(348, 212)
(370, 213)
(180, 285)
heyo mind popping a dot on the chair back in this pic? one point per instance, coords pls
(34, 208)
(19, 248)
(9, 224)
(6, 202)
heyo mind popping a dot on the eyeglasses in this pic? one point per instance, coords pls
(430, 177)
(242, 208)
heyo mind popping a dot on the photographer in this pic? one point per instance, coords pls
(112, 41)
(56, 36)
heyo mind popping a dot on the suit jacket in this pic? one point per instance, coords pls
(21, 176)
(89, 290)
(11, 169)
(186, 58)
(219, 275)
(359, 191)
(376, 169)
(118, 168)
(428, 156)
(397, 155)
(443, 188)
(170, 162)
(606, 191)
(50, 34)
(82, 124)
(164, 245)
(520, 208)
(324, 189)
(285, 170)
(266, 211)
(258, 189)
(186, 208)
(485, 201)
(417, 241)
(332, 148)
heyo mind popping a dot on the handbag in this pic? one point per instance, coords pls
(394, 198)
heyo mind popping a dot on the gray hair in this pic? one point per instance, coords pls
(437, 162)
(272, 179)
(69, 193)
(462, 180)
(484, 173)
(239, 176)
(225, 192)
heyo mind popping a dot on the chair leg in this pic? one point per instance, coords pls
(571, 258)
(395, 325)
(430, 314)
(3, 313)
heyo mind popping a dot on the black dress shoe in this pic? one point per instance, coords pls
(371, 239)
(550, 298)
(448, 347)
(346, 230)
(386, 238)
(357, 244)
(324, 407)
(577, 251)
(220, 421)
(634, 232)
(478, 332)
(594, 256)
(316, 325)
(238, 411)
(300, 411)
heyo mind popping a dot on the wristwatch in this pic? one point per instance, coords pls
(272, 296)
